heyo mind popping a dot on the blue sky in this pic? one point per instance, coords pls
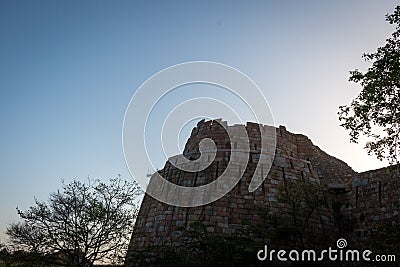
(69, 68)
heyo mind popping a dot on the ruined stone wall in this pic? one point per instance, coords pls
(374, 198)
(331, 171)
(362, 198)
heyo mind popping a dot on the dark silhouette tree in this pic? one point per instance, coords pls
(375, 112)
(80, 224)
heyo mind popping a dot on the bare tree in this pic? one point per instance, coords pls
(80, 224)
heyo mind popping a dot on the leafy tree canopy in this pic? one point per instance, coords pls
(375, 112)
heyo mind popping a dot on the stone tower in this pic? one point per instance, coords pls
(363, 197)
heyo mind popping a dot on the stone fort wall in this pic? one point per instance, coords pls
(364, 198)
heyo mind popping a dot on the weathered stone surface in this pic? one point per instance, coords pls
(364, 198)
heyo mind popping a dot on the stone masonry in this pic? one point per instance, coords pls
(364, 198)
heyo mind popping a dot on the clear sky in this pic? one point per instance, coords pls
(68, 70)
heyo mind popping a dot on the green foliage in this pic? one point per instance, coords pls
(3, 255)
(298, 202)
(80, 224)
(385, 237)
(375, 112)
(213, 249)
(9, 258)
(204, 248)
